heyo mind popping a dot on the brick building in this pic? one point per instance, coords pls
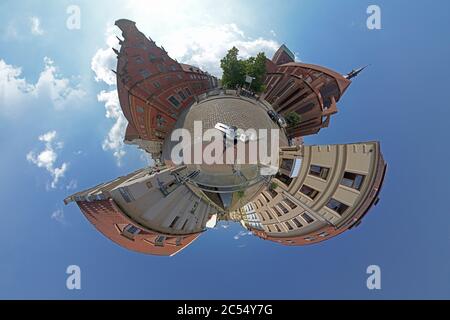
(153, 88)
(309, 90)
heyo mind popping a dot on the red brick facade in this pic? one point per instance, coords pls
(153, 88)
(309, 90)
(107, 218)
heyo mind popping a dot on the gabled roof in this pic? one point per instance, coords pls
(283, 55)
(190, 68)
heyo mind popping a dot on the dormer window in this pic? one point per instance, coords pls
(132, 229)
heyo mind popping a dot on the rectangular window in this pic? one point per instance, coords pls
(318, 171)
(283, 208)
(188, 91)
(160, 68)
(132, 229)
(159, 241)
(308, 191)
(291, 204)
(184, 224)
(269, 215)
(288, 225)
(272, 193)
(126, 195)
(139, 60)
(278, 213)
(151, 57)
(265, 197)
(337, 206)
(174, 222)
(174, 101)
(278, 228)
(144, 73)
(181, 94)
(307, 218)
(140, 109)
(284, 178)
(297, 223)
(352, 180)
(286, 164)
(156, 84)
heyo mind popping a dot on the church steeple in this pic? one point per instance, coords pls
(354, 73)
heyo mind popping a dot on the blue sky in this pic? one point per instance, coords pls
(52, 79)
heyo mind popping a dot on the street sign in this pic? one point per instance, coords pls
(249, 79)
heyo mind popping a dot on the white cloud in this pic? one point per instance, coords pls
(196, 33)
(73, 184)
(36, 28)
(105, 60)
(58, 215)
(242, 234)
(48, 137)
(273, 33)
(102, 63)
(47, 158)
(114, 139)
(147, 159)
(50, 88)
(204, 46)
(195, 38)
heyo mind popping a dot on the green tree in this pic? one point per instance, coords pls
(233, 69)
(292, 119)
(273, 185)
(256, 68)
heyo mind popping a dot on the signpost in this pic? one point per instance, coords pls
(249, 80)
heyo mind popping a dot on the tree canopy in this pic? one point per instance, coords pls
(292, 119)
(235, 70)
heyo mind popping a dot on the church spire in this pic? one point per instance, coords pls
(354, 73)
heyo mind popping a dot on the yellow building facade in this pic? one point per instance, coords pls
(319, 192)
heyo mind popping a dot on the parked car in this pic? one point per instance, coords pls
(272, 114)
(233, 134)
(279, 119)
(229, 131)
